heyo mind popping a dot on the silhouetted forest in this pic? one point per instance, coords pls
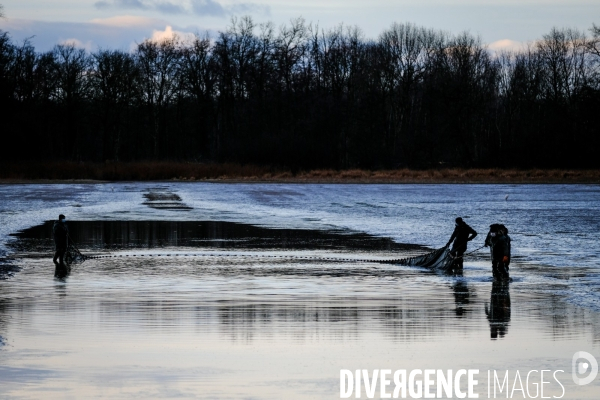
(301, 97)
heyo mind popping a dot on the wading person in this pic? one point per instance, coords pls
(462, 234)
(61, 234)
(499, 242)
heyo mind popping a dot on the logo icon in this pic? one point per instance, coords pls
(582, 363)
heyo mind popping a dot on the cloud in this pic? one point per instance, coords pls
(250, 8)
(88, 46)
(208, 8)
(121, 32)
(169, 33)
(125, 21)
(124, 4)
(167, 7)
(506, 45)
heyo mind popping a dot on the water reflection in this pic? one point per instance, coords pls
(7, 267)
(396, 321)
(3, 319)
(461, 297)
(61, 270)
(246, 297)
(149, 234)
(498, 312)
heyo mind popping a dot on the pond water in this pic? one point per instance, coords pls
(266, 290)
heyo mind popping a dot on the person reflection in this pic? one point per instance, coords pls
(461, 297)
(498, 312)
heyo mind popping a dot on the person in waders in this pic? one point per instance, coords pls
(60, 230)
(499, 243)
(462, 234)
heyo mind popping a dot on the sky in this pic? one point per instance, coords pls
(120, 24)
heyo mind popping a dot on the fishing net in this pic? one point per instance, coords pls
(73, 256)
(438, 259)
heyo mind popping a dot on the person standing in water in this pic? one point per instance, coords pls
(499, 243)
(462, 234)
(60, 230)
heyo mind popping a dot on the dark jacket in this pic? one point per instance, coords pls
(493, 234)
(500, 247)
(60, 230)
(462, 234)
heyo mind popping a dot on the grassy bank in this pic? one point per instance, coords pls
(160, 171)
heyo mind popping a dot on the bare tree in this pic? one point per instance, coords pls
(198, 83)
(289, 49)
(593, 44)
(564, 54)
(115, 82)
(71, 70)
(235, 53)
(158, 67)
(302, 97)
(404, 53)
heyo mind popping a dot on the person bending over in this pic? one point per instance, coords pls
(462, 234)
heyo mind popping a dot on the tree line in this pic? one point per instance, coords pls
(302, 97)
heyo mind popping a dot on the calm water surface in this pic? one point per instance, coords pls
(253, 318)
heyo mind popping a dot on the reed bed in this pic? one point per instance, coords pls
(189, 171)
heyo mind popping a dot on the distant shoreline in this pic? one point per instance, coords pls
(72, 172)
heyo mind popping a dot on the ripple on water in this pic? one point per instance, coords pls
(238, 305)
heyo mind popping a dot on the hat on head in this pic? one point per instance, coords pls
(61, 216)
(459, 220)
(495, 227)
